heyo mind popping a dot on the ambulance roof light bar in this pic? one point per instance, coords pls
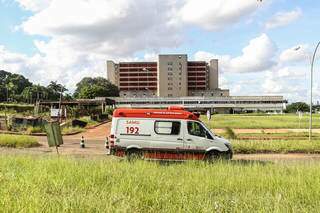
(175, 108)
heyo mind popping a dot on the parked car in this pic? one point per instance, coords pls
(170, 134)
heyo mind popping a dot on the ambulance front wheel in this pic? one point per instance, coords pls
(213, 156)
(134, 154)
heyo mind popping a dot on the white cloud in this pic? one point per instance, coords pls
(258, 55)
(82, 34)
(217, 14)
(276, 72)
(283, 18)
(150, 57)
(56, 64)
(281, 83)
(34, 5)
(117, 27)
(297, 53)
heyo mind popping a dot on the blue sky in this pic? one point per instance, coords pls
(67, 40)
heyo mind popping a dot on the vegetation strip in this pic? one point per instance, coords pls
(275, 146)
(260, 121)
(52, 184)
(17, 141)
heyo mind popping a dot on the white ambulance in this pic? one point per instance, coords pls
(170, 134)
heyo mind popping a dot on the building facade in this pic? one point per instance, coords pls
(171, 76)
(230, 104)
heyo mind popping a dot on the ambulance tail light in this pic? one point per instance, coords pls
(112, 138)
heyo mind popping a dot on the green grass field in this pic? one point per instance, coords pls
(53, 184)
(257, 121)
(275, 146)
(17, 141)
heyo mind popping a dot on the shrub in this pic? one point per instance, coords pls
(17, 141)
(71, 130)
(229, 133)
(35, 129)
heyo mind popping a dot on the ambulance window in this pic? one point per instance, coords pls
(167, 127)
(196, 129)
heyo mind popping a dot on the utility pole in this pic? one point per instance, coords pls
(311, 87)
(59, 116)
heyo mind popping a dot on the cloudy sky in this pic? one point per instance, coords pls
(263, 47)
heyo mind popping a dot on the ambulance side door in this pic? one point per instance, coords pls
(196, 138)
(168, 135)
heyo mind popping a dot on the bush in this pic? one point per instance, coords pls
(71, 130)
(17, 141)
(229, 133)
(36, 129)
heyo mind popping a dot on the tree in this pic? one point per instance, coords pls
(12, 85)
(298, 106)
(34, 93)
(54, 90)
(95, 87)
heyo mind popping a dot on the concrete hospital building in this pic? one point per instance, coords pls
(173, 79)
(170, 76)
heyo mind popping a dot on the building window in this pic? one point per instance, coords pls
(169, 95)
(170, 63)
(167, 127)
(170, 78)
(169, 88)
(169, 68)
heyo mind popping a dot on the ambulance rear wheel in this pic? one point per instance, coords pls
(133, 154)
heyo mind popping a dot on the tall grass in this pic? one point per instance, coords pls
(89, 121)
(229, 133)
(41, 184)
(71, 130)
(261, 121)
(17, 141)
(275, 146)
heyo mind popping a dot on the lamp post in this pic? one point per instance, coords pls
(311, 87)
(311, 82)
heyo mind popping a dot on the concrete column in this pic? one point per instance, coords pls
(213, 74)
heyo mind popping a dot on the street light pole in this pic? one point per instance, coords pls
(311, 86)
